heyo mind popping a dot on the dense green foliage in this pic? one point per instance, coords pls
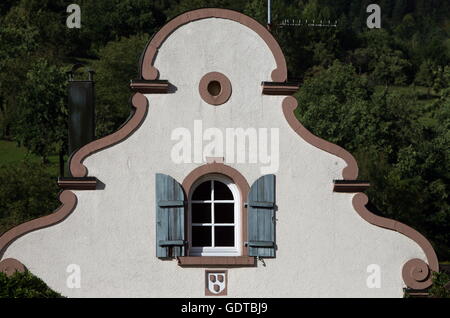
(41, 124)
(440, 288)
(117, 64)
(383, 94)
(27, 190)
(402, 147)
(24, 285)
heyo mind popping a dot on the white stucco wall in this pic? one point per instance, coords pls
(324, 246)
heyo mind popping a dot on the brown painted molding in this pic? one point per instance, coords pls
(235, 176)
(416, 273)
(10, 265)
(87, 183)
(350, 186)
(140, 104)
(351, 171)
(276, 88)
(149, 72)
(225, 88)
(414, 293)
(68, 200)
(220, 261)
(150, 87)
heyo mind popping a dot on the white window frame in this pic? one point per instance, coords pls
(235, 250)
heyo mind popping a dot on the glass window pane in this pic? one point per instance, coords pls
(224, 235)
(223, 212)
(202, 192)
(201, 212)
(221, 191)
(201, 236)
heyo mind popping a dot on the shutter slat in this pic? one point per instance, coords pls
(261, 244)
(172, 243)
(261, 204)
(173, 203)
(169, 217)
(261, 217)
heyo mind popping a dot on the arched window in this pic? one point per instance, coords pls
(214, 217)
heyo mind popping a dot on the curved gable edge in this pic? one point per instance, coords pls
(416, 273)
(150, 72)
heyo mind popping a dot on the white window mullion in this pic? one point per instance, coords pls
(213, 241)
(213, 250)
(190, 230)
(237, 230)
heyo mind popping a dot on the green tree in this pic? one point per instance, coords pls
(24, 285)
(361, 58)
(335, 93)
(401, 148)
(441, 78)
(42, 114)
(17, 41)
(109, 20)
(118, 64)
(27, 190)
(425, 76)
(186, 5)
(389, 67)
(440, 288)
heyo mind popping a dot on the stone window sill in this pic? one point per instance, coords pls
(218, 261)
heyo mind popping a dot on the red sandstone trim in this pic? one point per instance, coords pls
(416, 273)
(350, 187)
(68, 200)
(238, 179)
(70, 184)
(150, 87)
(222, 261)
(77, 168)
(149, 72)
(10, 265)
(281, 89)
(351, 171)
(225, 88)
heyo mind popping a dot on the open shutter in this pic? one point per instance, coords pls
(169, 217)
(261, 217)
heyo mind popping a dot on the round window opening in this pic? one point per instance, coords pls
(214, 88)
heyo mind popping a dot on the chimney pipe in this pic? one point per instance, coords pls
(81, 110)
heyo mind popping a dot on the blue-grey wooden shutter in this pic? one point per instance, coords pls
(170, 237)
(261, 217)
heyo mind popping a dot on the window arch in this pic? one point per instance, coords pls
(214, 217)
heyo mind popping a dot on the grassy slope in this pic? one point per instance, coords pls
(10, 153)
